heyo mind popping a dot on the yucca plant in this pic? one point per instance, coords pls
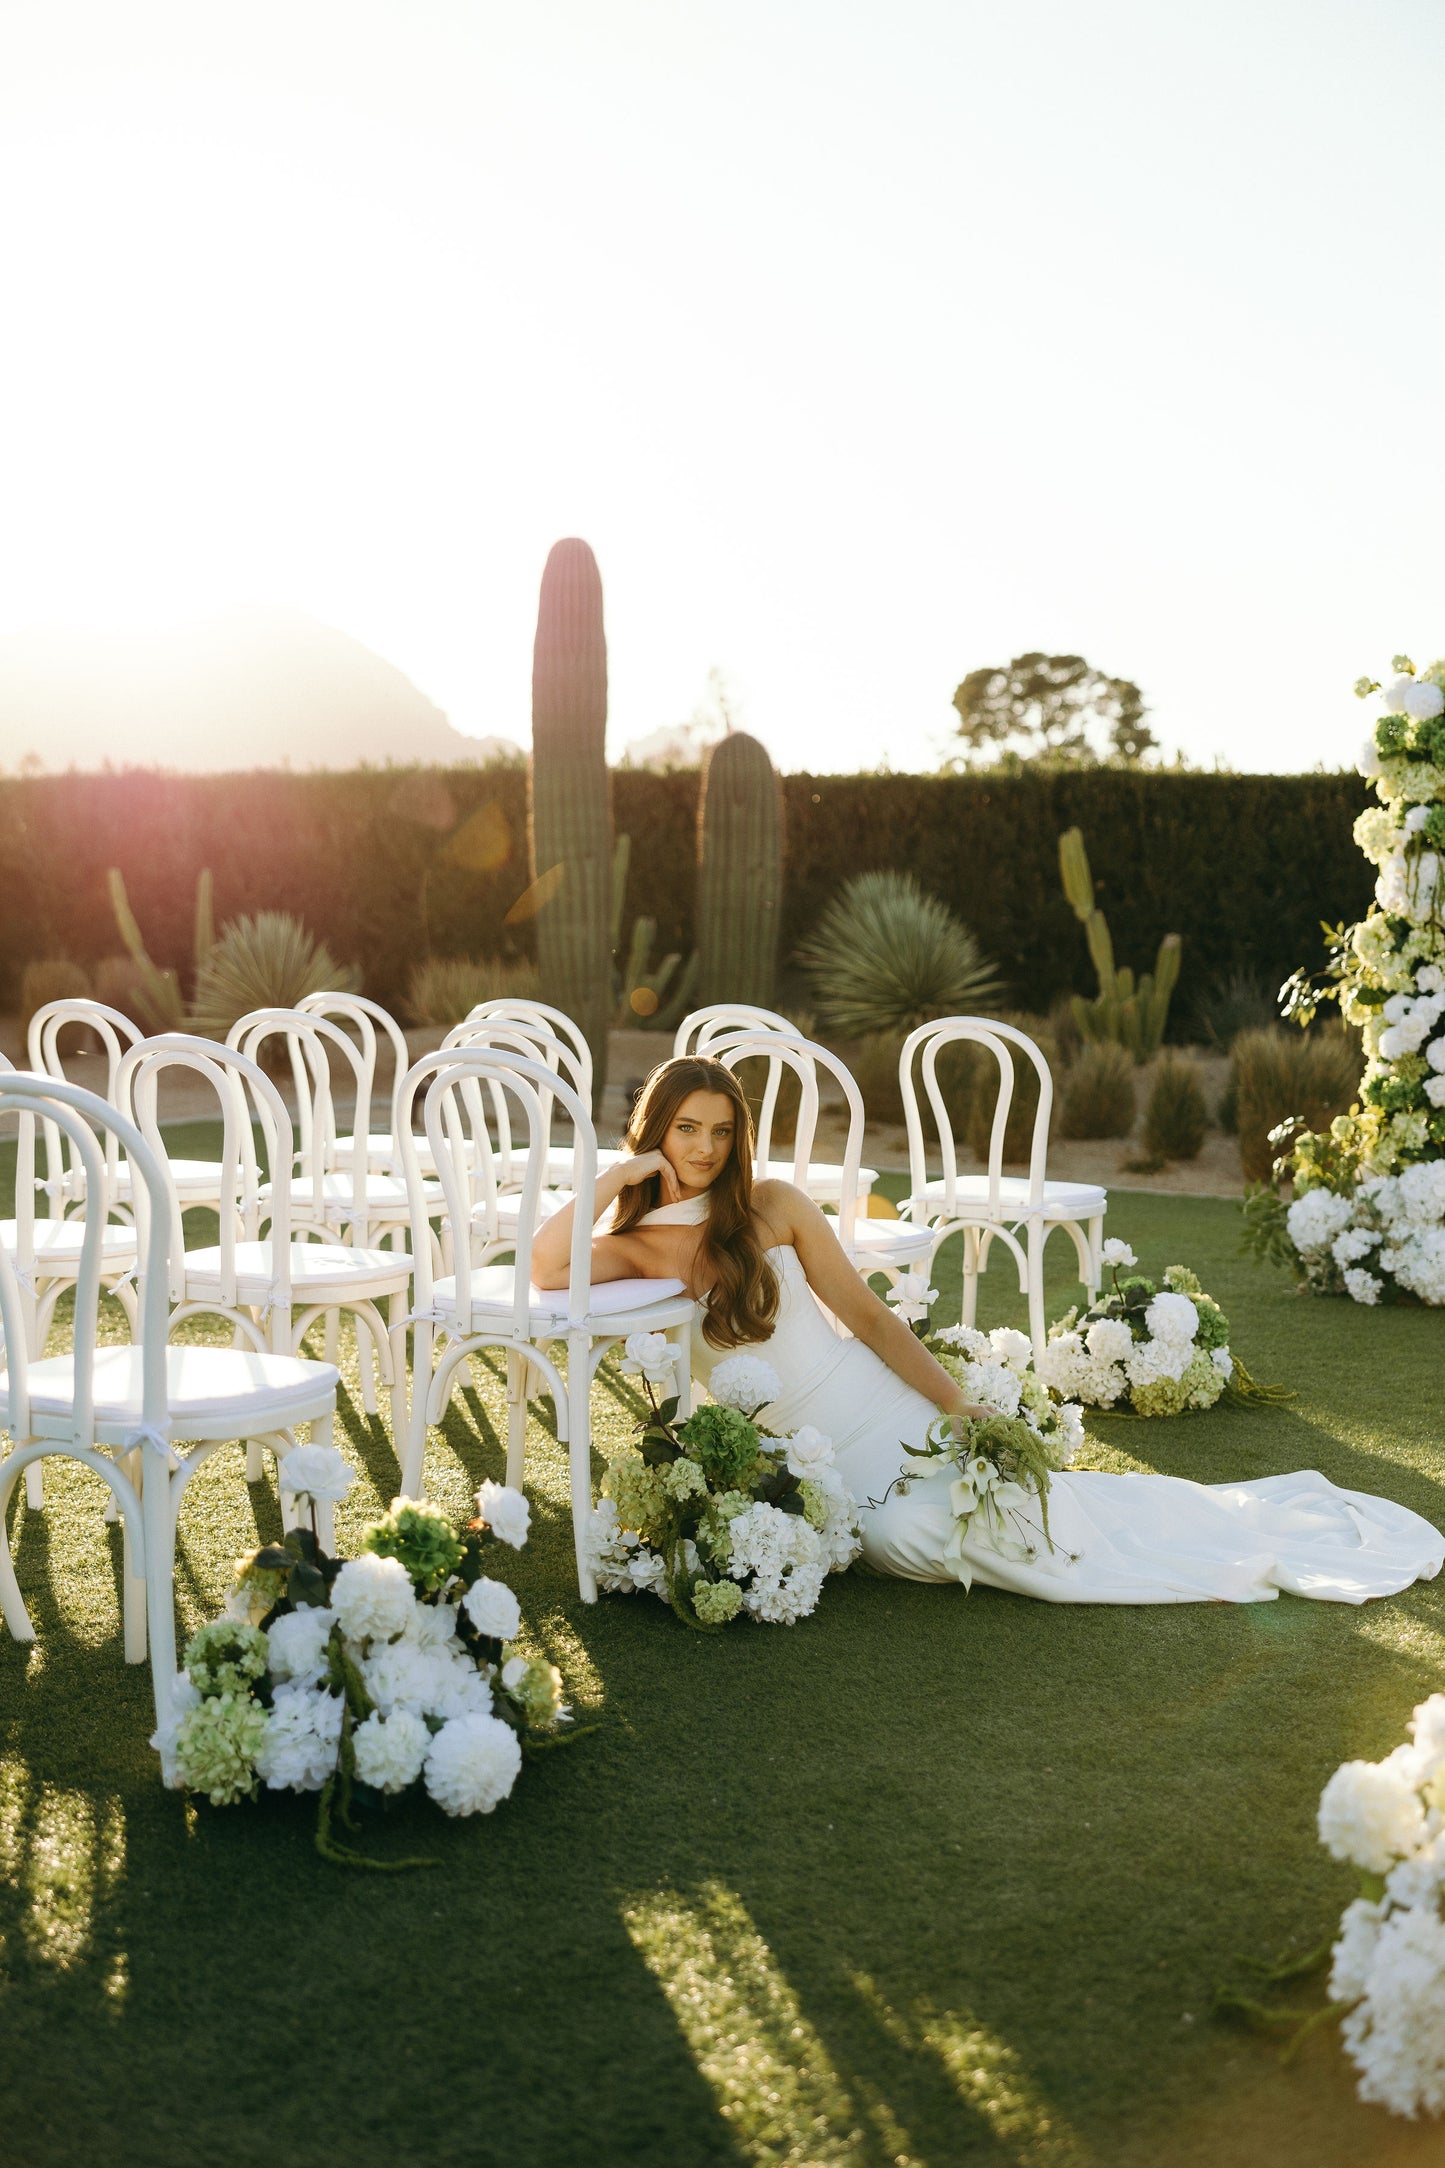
(1097, 1095)
(886, 957)
(1277, 1074)
(444, 989)
(1176, 1117)
(266, 962)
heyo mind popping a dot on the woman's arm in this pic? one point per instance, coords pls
(613, 1256)
(837, 1283)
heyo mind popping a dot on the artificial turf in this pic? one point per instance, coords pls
(929, 1878)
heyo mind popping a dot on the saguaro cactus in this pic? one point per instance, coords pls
(570, 794)
(1130, 1015)
(739, 873)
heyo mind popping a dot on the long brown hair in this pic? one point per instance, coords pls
(742, 1297)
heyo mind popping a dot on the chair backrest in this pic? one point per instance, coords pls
(456, 1131)
(554, 1021)
(922, 1047)
(310, 1041)
(365, 1017)
(700, 1032)
(116, 1033)
(248, 1100)
(77, 1115)
(533, 1042)
(805, 1058)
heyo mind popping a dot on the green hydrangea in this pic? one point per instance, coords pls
(216, 1746)
(1392, 735)
(1213, 1327)
(684, 1480)
(1181, 1281)
(640, 1495)
(1162, 1396)
(713, 1538)
(1203, 1382)
(533, 1683)
(723, 1441)
(815, 1503)
(1137, 1289)
(225, 1656)
(423, 1539)
(715, 1602)
(263, 1585)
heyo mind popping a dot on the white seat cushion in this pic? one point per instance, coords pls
(213, 1392)
(824, 1183)
(317, 1269)
(200, 1178)
(895, 1240)
(57, 1243)
(612, 1305)
(509, 1209)
(1062, 1200)
(385, 1194)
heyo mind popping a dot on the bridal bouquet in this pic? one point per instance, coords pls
(1155, 1349)
(1002, 1463)
(714, 1516)
(394, 1668)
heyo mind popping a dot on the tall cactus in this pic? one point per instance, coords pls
(570, 794)
(1131, 1016)
(739, 873)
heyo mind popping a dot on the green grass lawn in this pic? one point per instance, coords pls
(930, 1878)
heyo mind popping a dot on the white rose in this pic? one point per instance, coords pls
(505, 1511)
(372, 1597)
(651, 1353)
(1014, 1348)
(1115, 1252)
(317, 1472)
(808, 1452)
(493, 1609)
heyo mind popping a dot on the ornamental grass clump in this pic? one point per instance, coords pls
(1176, 1116)
(982, 1072)
(1278, 1076)
(266, 962)
(444, 990)
(887, 957)
(713, 1515)
(1096, 1097)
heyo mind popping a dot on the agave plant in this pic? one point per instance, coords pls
(266, 962)
(444, 989)
(886, 957)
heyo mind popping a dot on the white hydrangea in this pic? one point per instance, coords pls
(1362, 1286)
(1396, 2034)
(399, 1674)
(472, 1764)
(1354, 1953)
(1421, 1190)
(505, 1511)
(1353, 1244)
(782, 1554)
(297, 1643)
(1071, 1432)
(372, 1597)
(1173, 1318)
(1422, 701)
(1223, 1362)
(1394, 695)
(299, 1745)
(1152, 1360)
(745, 1382)
(994, 1385)
(1370, 1814)
(390, 1750)
(1011, 1347)
(1316, 1218)
(1109, 1340)
(493, 1609)
(965, 1339)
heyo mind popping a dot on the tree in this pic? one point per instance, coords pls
(1056, 709)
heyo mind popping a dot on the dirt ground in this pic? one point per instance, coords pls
(1215, 1173)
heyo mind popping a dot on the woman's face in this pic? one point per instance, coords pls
(700, 1139)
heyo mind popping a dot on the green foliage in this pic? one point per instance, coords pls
(1130, 1016)
(1096, 1098)
(1232, 1002)
(887, 957)
(652, 996)
(571, 799)
(739, 873)
(269, 961)
(1176, 1116)
(422, 1538)
(50, 979)
(1051, 708)
(1280, 1076)
(444, 989)
(723, 1442)
(158, 992)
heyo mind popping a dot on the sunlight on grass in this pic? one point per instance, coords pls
(985, 2073)
(770, 2074)
(64, 1853)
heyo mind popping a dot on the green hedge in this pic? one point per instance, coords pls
(1243, 866)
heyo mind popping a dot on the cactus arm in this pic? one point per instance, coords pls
(621, 860)
(159, 992)
(1074, 869)
(205, 919)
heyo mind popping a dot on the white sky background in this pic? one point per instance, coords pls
(866, 344)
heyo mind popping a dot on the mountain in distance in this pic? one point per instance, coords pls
(259, 688)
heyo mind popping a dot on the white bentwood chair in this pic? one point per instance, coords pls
(196, 1179)
(371, 1023)
(700, 1034)
(993, 1206)
(121, 1409)
(479, 1306)
(558, 1044)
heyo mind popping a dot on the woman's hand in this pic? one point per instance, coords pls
(971, 1411)
(638, 1166)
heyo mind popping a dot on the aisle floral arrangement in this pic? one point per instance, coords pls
(1002, 1463)
(713, 1515)
(1368, 1215)
(395, 1668)
(1147, 1348)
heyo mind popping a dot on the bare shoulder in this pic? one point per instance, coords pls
(780, 1206)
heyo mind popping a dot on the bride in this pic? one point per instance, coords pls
(770, 1274)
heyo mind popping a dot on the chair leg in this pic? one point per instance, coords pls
(366, 1359)
(397, 1396)
(518, 1373)
(34, 1487)
(1096, 1261)
(1037, 1333)
(579, 1456)
(158, 1511)
(969, 1309)
(414, 1454)
(133, 1573)
(17, 1618)
(682, 1371)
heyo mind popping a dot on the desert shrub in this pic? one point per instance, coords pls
(118, 985)
(266, 962)
(1176, 1117)
(874, 1063)
(1232, 1002)
(51, 978)
(1279, 1073)
(886, 957)
(982, 1084)
(1096, 1098)
(444, 989)
(1064, 1027)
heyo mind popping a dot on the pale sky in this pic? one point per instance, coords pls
(866, 344)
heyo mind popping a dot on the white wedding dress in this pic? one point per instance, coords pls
(1115, 1538)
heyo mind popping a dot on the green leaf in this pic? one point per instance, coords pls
(668, 1409)
(307, 1585)
(274, 1557)
(658, 1449)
